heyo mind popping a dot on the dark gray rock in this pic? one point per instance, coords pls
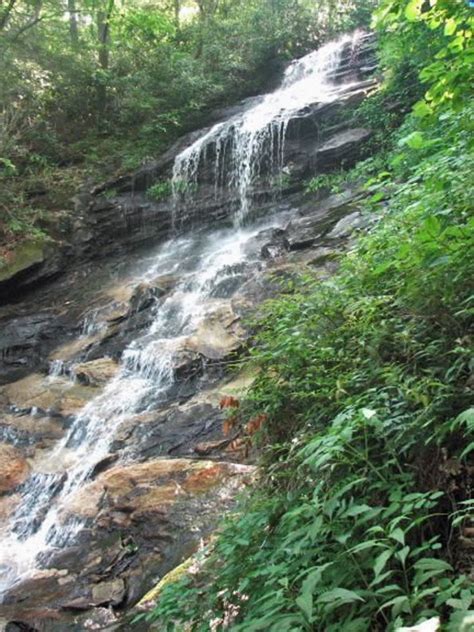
(25, 342)
(303, 233)
(347, 225)
(145, 296)
(175, 431)
(319, 217)
(269, 243)
(342, 149)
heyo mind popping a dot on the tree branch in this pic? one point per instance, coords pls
(6, 14)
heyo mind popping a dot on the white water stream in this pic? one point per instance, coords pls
(41, 524)
(243, 144)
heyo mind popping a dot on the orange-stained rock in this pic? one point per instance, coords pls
(152, 487)
(204, 479)
(14, 468)
(39, 431)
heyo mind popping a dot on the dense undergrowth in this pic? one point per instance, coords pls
(361, 516)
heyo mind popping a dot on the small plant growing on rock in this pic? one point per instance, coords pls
(331, 181)
(160, 191)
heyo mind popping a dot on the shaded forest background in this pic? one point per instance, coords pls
(92, 87)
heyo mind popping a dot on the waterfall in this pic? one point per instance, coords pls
(248, 143)
(243, 147)
(41, 524)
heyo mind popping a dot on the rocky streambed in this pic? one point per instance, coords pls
(115, 464)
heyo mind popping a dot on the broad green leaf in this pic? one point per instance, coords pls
(467, 450)
(415, 140)
(398, 604)
(403, 554)
(305, 604)
(466, 417)
(398, 535)
(450, 26)
(339, 594)
(381, 561)
(413, 10)
(314, 577)
(356, 510)
(432, 563)
(422, 109)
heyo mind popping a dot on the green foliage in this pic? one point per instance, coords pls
(365, 381)
(446, 64)
(160, 191)
(331, 182)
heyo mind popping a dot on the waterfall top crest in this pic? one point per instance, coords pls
(252, 144)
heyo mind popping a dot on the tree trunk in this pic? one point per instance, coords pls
(103, 34)
(207, 9)
(177, 11)
(73, 28)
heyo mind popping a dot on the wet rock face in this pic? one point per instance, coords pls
(118, 217)
(24, 343)
(14, 468)
(342, 149)
(96, 372)
(56, 396)
(164, 507)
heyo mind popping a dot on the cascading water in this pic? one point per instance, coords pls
(241, 147)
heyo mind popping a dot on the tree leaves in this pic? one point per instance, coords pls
(414, 140)
(413, 10)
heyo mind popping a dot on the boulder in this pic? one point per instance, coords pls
(304, 232)
(347, 225)
(56, 395)
(96, 372)
(218, 335)
(269, 243)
